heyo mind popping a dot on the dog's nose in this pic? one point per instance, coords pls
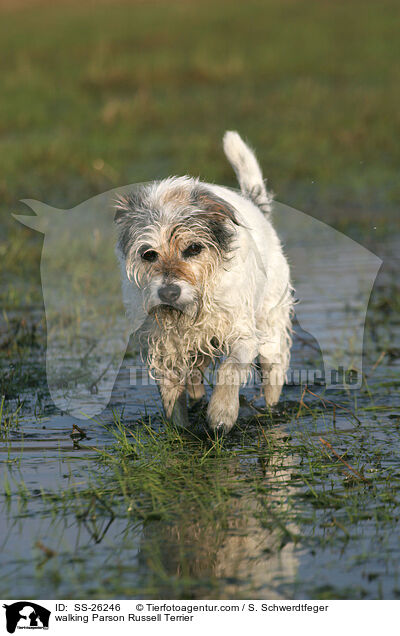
(169, 293)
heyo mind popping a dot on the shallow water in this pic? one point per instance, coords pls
(327, 549)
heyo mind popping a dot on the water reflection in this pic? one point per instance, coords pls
(246, 550)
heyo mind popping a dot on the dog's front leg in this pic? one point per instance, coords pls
(173, 396)
(223, 408)
(195, 385)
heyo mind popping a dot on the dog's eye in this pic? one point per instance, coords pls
(193, 250)
(150, 256)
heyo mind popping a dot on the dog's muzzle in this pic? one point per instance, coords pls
(169, 294)
(168, 297)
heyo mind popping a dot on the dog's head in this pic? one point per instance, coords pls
(174, 235)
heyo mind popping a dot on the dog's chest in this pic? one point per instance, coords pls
(181, 344)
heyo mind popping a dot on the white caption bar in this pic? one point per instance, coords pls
(171, 617)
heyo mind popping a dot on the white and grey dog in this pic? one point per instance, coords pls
(214, 282)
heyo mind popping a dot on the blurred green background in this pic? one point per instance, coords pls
(98, 94)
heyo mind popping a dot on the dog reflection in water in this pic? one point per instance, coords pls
(245, 549)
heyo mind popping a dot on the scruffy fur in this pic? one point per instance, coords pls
(212, 277)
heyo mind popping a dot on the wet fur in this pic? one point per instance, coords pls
(235, 294)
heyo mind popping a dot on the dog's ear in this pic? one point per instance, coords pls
(128, 212)
(213, 204)
(126, 207)
(218, 216)
(120, 215)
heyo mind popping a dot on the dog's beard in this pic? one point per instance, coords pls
(160, 313)
(177, 311)
(169, 315)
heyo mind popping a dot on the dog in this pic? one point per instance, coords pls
(214, 282)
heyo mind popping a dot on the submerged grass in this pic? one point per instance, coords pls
(204, 510)
(9, 419)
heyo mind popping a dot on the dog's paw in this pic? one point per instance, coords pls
(272, 394)
(179, 416)
(222, 412)
(220, 430)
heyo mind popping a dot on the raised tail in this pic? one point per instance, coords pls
(247, 170)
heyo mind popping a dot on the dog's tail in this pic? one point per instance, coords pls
(247, 170)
